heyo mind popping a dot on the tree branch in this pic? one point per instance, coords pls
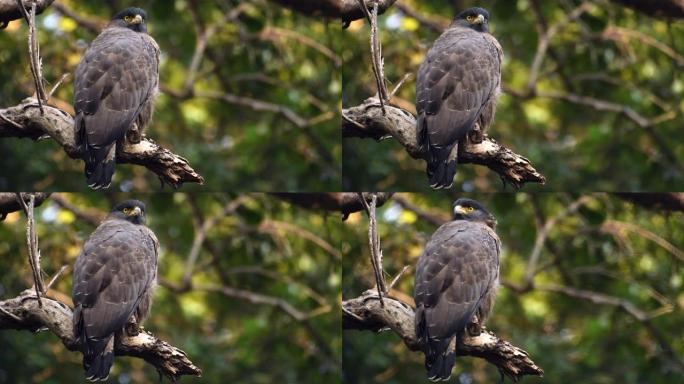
(374, 243)
(347, 10)
(673, 201)
(366, 313)
(657, 8)
(25, 120)
(345, 202)
(32, 243)
(9, 203)
(10, 10)
(24, 313)
(367, 121)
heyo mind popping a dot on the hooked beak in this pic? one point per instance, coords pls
(480, 19)
(137, 20)
(136, 212)
(459, 210)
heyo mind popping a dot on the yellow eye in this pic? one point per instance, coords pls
(469, 209)
(126, 210)
(128, 19)
(470, 18)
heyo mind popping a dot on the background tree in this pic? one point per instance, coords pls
(248, 286)
(248, 94)
(589, 282)
(591, 93)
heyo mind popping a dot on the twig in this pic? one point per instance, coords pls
(399, 84)
(276, 34)
(543, 234)
(34, 54)
(291, 280)
(615, 227)
(11, 122)
(57, 84)
(201, 230)
(374, 244)
(32, 244)
(376, 54)
(272, 226)
(545, 39)
(56, 277)
(398, 276)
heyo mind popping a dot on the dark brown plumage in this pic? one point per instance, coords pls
(114, 280)
(456, 277)
(456, 92)
(115, 87)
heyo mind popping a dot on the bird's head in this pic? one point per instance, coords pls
(473, 18)
(471, 210)
(131, 18)
(130, 210)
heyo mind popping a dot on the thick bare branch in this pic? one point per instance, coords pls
(9, 203)
(673, 201)
(657, 8)
(367, 121)
(25, 120)
(366, 313)
(346, 10)
(345, 202)
(10, 10)
(24, 313)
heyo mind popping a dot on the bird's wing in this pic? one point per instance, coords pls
(460, 73)
(110, 276)
(457, 269)
(116, 76)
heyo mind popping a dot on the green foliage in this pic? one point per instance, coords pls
(572, 339)
(575, 146)
(232, 146)
(230, 339)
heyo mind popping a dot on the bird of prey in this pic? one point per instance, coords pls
(456, 279)
(456, 92)
(114, 280)
(114, 92)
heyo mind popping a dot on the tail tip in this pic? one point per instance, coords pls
(99, 175)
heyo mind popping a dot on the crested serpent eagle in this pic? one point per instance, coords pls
(115, 87)
(114, 280)
(456, 279)
(456, 92)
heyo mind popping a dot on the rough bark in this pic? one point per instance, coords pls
(367, 313)
(346, 10)
(9, 9)
(368, 121)
(657, 8)
(24, 313)
(344, 202)
(25, 120)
